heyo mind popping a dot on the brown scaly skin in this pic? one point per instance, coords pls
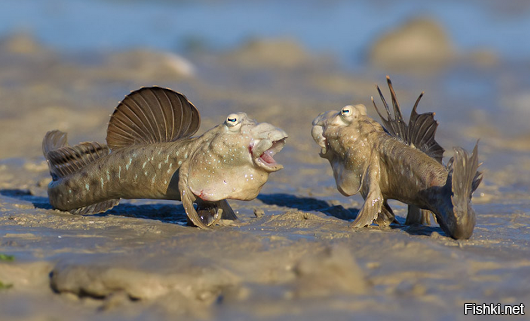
(366, 159)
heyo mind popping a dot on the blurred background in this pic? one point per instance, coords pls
(66, 63)
(346, 30)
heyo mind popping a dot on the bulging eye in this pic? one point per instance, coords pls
(232, 120)
(346, 111)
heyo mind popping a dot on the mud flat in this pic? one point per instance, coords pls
(291, 255)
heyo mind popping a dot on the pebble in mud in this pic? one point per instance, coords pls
(258, 212)
(332, 270)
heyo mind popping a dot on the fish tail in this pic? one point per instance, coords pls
(463, 180)
(64, 160)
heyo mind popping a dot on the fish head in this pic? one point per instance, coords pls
(331, 128)
(342, 138)
(234, 159)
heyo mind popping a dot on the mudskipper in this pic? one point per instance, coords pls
(150, 153)
(398, 161)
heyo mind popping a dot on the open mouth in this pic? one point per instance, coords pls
(266, 159)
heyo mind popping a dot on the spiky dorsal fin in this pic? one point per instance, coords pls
(420, 130)
(152, 115)
(64, 160)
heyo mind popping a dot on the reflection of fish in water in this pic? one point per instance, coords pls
(150, 154)
(401, 162)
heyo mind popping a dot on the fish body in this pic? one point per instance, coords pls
(399, 161)
(120, 175)
(150, 153)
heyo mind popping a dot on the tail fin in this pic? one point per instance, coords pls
(64, 160)
(464, 179)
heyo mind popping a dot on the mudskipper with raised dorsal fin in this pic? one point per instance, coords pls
(150, 153)
(398, 161)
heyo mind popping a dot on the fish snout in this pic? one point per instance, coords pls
(323, 118)
(264, 136)
(268, 132)
(317, 131)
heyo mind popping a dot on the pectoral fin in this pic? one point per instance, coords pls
(373, 201)
(187, 202)
(373, 205)
(187, 198)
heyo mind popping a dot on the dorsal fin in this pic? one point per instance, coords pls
(152, 115)
(420, 130)
(54, 139)
(64, 160)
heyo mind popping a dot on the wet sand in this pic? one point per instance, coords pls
(291, 255)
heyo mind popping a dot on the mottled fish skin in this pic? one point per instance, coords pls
(152, 155)
(355, 151)
(129, 173)
(365, 158)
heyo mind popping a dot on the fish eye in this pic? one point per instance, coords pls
(232, 120)
(346, 111)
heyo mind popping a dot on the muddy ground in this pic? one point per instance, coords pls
(291, 255)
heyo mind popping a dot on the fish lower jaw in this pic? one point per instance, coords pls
(266, 160)
(269, 167)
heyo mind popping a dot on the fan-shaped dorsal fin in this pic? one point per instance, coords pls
(152, 115)
(420, 130)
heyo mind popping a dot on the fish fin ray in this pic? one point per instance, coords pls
(96, 208)
(64, 160)
(463, 179)
(152, 115)
(374, 202)
(192, 214)
(368, 213)
(419, 132)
